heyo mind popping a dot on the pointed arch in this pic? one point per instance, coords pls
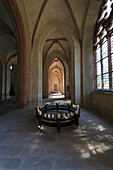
(48, 61)
(55, 41)
(38, 19)
(73, 17)
(37, 52)
(22, 51)
(56, 76)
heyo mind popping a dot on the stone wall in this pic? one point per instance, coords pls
(103, 103)
(87, 52)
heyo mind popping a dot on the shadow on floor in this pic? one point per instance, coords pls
(25, 146)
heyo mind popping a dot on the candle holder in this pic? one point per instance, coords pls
(69, 114)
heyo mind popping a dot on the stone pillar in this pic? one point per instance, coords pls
(46, 82)
(3, 84)
(88, 70)
(7, 81)
(72, 72)
(77, 75)
(40, 80)
(36, 79)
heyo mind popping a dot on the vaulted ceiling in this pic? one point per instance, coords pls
(70, 12)
(37, 14)
(8, 32)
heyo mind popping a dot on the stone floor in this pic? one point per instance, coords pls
(24, 146)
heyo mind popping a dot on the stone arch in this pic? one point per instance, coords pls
(56, 71)
(55, 74)
(46, 31)
(47, 63)
(37, 50)
(21, 38)
(12, 61)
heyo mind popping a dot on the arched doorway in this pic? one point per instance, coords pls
(11, 82)
(56, 76)
(13, 79)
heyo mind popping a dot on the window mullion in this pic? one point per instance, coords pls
(103, 59)
(95, 75)
(101, 64)
(109, 62)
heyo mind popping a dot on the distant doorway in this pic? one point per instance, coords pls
(55, 87)
(56, 76)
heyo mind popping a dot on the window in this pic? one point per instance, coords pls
(111, 44)
(103, 47)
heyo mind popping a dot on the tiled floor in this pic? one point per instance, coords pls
(24, 146)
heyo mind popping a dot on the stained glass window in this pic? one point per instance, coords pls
(104, 47)
(98, 68)
(111, 39)
(112, 43)
(112, 61)
(106, 81)
(112, 80)
(105, 65)
(107, 10)
(99, 82)
(98, 54)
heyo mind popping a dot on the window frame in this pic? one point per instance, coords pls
(106, 25)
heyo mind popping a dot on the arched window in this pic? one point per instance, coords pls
(103, 47)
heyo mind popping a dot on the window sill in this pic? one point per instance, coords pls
(103, 91)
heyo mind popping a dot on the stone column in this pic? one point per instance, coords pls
(72, 72)
(77, 75)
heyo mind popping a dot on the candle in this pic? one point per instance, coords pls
(52, 116)
(64, 115)
(58, 116)
(71, 114)
(68, 115)
(40, 113)
(48, 115)
(78, 106)
(76, 112)
(74, 106)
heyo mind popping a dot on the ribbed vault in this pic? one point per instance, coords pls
(40, 32)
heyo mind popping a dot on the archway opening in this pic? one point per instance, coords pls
(56, 85)
(11, 83)
(13, 80)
